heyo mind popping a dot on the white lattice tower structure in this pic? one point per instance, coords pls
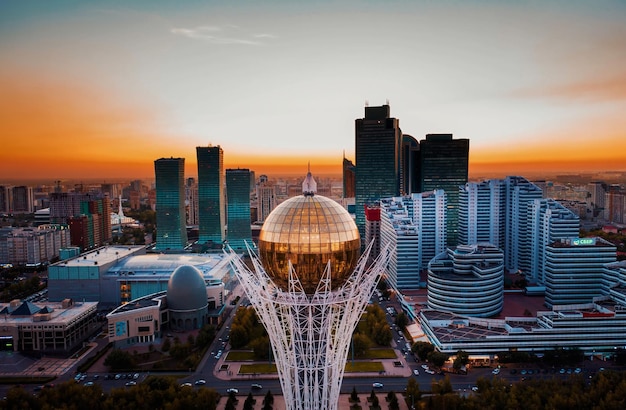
(310, 334)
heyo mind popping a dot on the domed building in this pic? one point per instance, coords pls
(309, 231)
(309, 289)
(187, 299)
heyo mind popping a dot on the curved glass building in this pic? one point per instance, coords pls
(467, 280)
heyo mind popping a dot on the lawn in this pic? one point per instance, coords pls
(257, 368)
(240, 356)
(364, 367)
(382, 353)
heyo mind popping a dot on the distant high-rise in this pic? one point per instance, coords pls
(239, 228)
(348, 178)
(378, 141)
(597, 191)
(266, 200)
(89, 217)
(170, 204)
(444, 165)
(410, 165)
(211, 199)
(519, 193)
(482, 213)
(415, 226)
(549, 221)
(23, 200)
(191, 201)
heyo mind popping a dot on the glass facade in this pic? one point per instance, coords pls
(170, 204)
(238, 210)
(211, 200)
(444, 165)
(309, 231)
(378, 142)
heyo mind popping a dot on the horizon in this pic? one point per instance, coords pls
(101, 91)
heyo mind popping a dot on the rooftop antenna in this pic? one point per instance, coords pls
(367, 103)
(387, 101)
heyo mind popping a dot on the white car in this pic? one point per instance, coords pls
(429, 371)
(200, 382)
(377, 385)
(496, 371)
(416, 372)
(425, 366)
(232, 390)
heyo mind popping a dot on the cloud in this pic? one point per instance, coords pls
(222, 35)
(592, 89)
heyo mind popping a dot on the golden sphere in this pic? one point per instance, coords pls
(309, 231)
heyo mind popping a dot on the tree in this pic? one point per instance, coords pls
(437, 358)
(166, 345)
(422, 349)
(249, 403)
(119, 360)
(360, 344)
(462, 359)
(354, 397)
(401, 320)
(413, 394)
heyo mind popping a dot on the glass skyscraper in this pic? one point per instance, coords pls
(211, 200)
(444, 165)
(238, 209)
(170, 204)
(378, 142)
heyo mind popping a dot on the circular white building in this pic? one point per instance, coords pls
(467, 280)
(309, 288)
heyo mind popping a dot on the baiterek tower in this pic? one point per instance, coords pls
(309, 288)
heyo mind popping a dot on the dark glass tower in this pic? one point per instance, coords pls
(444, 165)
(238, 209)
(378, 141)
(410, 165)
(211, 200)
(170, 204)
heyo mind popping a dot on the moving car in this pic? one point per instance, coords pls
(377, 385)
(200, 382)
(232, 390)
(416, 372)
(256, 386)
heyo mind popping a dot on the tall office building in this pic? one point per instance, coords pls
(211, 200)
(378, 141)
(575, 268)
(23, 199)
(191, 201)
(170, 204)
(239, 228)
(444, 165)
(482, 213)
(415, 227)
(348, 178)
(410, 165)
(549, 221)
(597, 191)
(266, 200)
(519, 193)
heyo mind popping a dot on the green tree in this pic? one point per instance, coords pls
(354, 397)
(402, 320)
(413, 394)
(360, 344)
(422, 349)
(119, 360)
(437, 358)
(261, 347)
(462, 359)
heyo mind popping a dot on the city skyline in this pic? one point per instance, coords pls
(101, 91)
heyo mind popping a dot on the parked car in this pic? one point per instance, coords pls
(416, 372)
(200, 382)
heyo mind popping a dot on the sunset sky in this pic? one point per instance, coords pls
(103, 88)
